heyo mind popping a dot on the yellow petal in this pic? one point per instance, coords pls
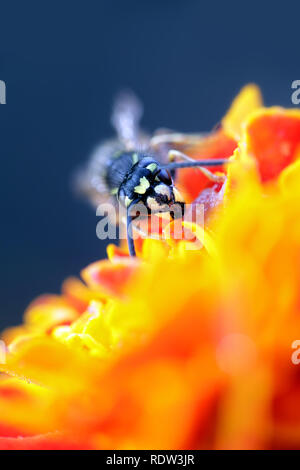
(248, 100)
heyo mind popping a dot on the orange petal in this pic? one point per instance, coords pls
(50, 363)
(272, 137)
(242, 172)
(217, 145)
(110, 277)
(289, 179)
(248, 100)
(78, 295)
(24, 408)
(114, 251)
(42, 317)
(50, 441)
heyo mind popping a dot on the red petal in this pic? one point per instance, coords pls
(110, 277)
(216, 145)
(40, 442)
(273, 138)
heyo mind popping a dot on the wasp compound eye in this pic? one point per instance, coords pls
(165, 176)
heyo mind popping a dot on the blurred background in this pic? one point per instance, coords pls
(64, 61)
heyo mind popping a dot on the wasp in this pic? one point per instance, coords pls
(135, 168)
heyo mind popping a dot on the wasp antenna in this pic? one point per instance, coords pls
(130, 240)
(196, 163)
(173, 155)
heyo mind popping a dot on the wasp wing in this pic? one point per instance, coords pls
(126, 115)
(90, 180)
(165, 140)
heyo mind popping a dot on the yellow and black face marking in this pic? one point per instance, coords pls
(147, 182)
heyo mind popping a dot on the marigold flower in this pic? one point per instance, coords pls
(178, 348)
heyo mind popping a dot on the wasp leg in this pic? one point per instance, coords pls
(175, 138)
(141, 232)
(174, 155)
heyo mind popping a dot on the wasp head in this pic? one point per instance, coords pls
(148, 182)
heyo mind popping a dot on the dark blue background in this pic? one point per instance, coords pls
(62, 63)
